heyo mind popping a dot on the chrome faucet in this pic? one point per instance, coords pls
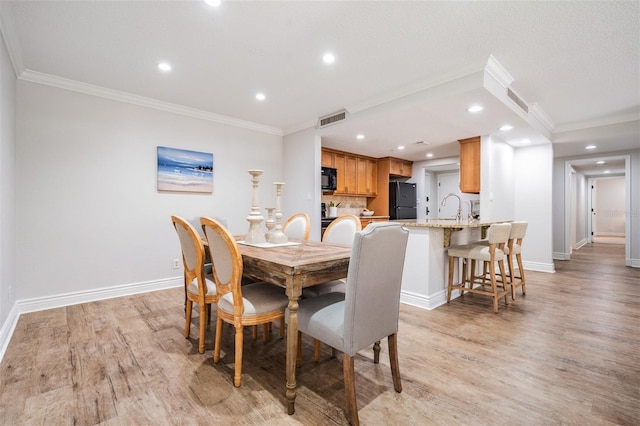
(444, 203)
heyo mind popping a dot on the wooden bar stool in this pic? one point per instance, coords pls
(514, 248)
(491, 254)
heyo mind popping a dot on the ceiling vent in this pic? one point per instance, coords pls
(515, 98)
(331, 119)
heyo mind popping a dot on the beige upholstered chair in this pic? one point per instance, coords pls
(341, 231)
(491, 252)
(199, 286)
(248, 305)
(297, 227)
(352, 321)
(514, 248)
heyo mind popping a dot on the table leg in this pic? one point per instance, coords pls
(292, 344)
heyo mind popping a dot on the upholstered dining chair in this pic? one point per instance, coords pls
(340, 231)
(368, 310)
(199, 285)
(248, 305)
(297, 227)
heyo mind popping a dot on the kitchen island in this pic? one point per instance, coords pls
(424, 280)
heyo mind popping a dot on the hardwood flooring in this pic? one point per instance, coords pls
(566, 353)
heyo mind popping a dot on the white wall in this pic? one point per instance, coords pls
(89, 215)
(496, 180)
(7, 184)
(532, 176)
(301, 171)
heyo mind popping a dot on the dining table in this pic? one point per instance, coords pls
(294, 266)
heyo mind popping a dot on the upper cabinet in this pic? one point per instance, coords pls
(357, 175)
(399, 167)
(470, 165)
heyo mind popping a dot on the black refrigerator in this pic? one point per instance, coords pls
(402, 200)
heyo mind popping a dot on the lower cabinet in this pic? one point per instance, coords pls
(364, 221)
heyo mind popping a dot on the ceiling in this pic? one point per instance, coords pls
(405, 72)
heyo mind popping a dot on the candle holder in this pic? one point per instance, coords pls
(270, 223)
(277, 236)
(255, 234)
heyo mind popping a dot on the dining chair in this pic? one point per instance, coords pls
(369, 309)
(199, 285)
(297, 227)
(340, 231)
(248, 305)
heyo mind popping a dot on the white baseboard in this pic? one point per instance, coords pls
(560, 256)
(68, 299)
(634, 263)
(582, 243)
(539, 267)
(7, 329)
(422, 301)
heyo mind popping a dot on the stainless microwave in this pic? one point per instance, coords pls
(329, 179)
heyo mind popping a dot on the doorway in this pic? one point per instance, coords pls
(608, 217)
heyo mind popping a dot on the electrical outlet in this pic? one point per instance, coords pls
(176, 263)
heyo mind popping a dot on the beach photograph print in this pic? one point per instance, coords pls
(183, 170)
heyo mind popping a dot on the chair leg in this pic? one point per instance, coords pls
(522, 279)
(203, 327)
(512, 276)
(218, 339)
(393, 360)
(316, 350)
(350, 389)
(494, 288)
(237, 378)
(504, 281)
(187, 324)
(254, 332)
(450, 285)
(376, 352)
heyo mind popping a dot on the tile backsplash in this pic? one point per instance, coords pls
(348, 204)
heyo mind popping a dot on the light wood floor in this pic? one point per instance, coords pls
(566, 353)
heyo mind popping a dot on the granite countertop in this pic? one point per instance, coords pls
(446, 223)
(373, 217)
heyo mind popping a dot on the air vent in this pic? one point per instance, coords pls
(329, 120)
(515, 98)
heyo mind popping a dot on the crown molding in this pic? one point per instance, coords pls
(608, 121)
(498, 72)
(90, 89)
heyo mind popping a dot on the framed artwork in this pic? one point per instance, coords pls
(184, 171)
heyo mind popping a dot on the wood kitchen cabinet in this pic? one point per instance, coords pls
(364, 221)
(398, 167)
(357, 175)
(367, 176)
(470, 165)
(328, 159)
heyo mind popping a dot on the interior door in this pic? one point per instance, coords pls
(448, 183)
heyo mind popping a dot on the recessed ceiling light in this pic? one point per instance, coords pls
(430, 155)
(328, 58)
(214, 3)
(590, 147)
(506, 127)
(526, 141)
(475, 108)
(400, 147)
(601, 162)
(607, 171)
(164, 66)
(360, 136)
(260, 96)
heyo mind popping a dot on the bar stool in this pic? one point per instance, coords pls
(514, 248)
(491, 254)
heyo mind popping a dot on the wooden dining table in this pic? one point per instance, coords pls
(294, 267)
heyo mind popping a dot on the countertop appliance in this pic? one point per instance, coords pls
(329, 178)
(402, 200)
